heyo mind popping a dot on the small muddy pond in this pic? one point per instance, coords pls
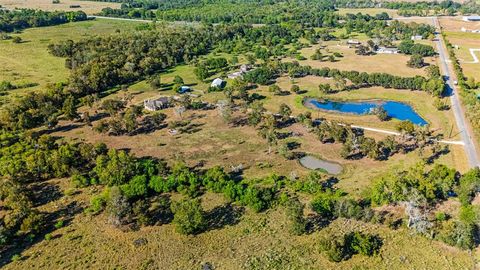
(394, 109)
(313, 163)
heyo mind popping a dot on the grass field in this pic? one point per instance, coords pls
(369, 11)
(395, 64)
(30, 62)
(89, 7)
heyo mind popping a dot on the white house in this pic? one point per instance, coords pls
(353, 42)
(218, 83)
(387, 50)
(156, 104)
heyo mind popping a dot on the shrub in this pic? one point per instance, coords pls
(59, 224)
(48, 236)
(342, 247)
(295, 216)
(188, 216)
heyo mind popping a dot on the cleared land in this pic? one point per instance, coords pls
(395, 64)
(89, 7)
(465, 41)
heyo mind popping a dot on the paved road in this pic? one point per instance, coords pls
(467, 137)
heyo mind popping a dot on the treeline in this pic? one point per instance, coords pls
(266, 73)
(273, 11)
(390, 30)
(13, 20)
(317, 13)
(467, 90)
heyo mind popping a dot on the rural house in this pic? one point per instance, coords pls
(218, 83)
(156, 104)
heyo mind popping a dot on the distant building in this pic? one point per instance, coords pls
(471, 18)
(243, 69)
(387, 50)
(218, 83)
(418, 37)
(353, 42)
(156, 104)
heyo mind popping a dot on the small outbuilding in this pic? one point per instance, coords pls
(353, 42)
(471, 18)
(184, 89)
(417, 37)
(156, 104)
(219, 83)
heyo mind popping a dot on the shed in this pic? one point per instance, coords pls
(218, 83)
(156, 104)
(184, 89)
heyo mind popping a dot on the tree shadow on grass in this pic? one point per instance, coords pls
(315, 223)
(44, 193)
(224, 215)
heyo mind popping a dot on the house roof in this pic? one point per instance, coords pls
(217, 82)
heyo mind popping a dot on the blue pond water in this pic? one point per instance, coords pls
(394, 109)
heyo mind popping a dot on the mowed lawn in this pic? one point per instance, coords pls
(30, 61)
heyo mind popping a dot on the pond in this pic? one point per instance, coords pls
(313, 163)
(394, 109)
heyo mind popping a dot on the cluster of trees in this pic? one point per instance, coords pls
(13, 20)
(205, 69)
(410, 47)
(39, 109)
(420, 189)
(342, 247)
(391, 30)
(317, 13)
(129, 120)
(355, 144)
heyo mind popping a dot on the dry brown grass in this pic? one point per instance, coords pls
(89, 7)
(257, 241)
(395, 64)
